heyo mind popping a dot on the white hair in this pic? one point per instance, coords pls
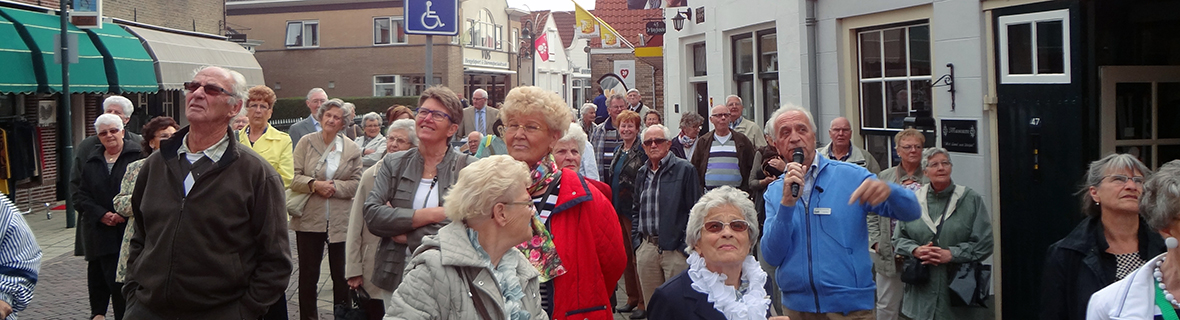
(480, 92)
(108, 119)
(667, 133)
(575, 134)
(314, 91)
(788, 108)
(371, 116)
(733, 96)
(588, 108)
(713, 199)
(119, 101)
(484, 183)
(404, 125)
(931, 152)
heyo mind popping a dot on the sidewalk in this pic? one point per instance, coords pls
(61, 287)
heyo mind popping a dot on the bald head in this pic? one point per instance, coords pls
(719, 116)
(840, 131)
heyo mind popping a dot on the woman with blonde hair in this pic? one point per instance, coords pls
(471, 270)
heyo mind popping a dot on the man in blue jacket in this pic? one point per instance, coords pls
(818, 239)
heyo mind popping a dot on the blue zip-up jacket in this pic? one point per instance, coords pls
(823, 259)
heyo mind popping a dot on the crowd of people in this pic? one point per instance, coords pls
(544, 209)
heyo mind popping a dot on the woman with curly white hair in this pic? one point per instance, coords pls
(471, 270)
(723, 280)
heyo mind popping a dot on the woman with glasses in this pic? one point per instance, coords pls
(409, 190)
(372, 143)
(1111, 242)
(578, 249)
(723, 280)
(328, 167)
(471, 269)
(101, 176)
(270, 143)
(964, 234)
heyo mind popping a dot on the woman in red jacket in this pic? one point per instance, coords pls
(579, 250)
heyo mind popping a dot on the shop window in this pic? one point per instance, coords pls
(303, 34)
(413, 86)
(894, 77)
(389, 30)
(755, 65)
(385, 86)
(1034, 47)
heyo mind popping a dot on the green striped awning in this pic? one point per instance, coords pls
(37, 31)
(18, 75)
(129, 67)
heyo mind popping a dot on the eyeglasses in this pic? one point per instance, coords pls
(262, 106)
(654, 142)
(318, 101)
(210, 89)
(842, 130)
(530, 128)
(436, 115)
(940, 164)
(736, 225)
(372, 125)
(529, 204)
(1121, 179)
(720, 115)
(163, 136)
(111, 131)
(910, 147)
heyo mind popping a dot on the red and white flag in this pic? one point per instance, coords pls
(543, 47)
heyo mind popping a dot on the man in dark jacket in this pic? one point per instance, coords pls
(723, 156)
(666, 188)
(211, 226)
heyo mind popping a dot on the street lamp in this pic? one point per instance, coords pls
(678, 20)
(528, 36)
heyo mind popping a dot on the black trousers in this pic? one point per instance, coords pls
(100, 281)
(310, 246)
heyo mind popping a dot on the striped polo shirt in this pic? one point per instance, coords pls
(722, 168)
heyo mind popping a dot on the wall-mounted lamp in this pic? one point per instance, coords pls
(678, 20)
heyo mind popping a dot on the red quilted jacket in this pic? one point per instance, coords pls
(589, 240)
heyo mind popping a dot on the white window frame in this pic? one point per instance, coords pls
(392, 31)
(397, 84)
(302, 28)
(908, 78)
(481, 29)
(1034, 18)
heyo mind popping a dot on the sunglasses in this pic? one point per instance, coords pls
(112, 131)
(654, 142)
(736, 226)
(210, 89)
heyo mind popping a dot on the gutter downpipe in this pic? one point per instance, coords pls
(812, 60)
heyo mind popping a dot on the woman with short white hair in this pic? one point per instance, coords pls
(723, 280)
(372, 143)
(588, 112)
(471, 270)
(575, 153)
(101, 228)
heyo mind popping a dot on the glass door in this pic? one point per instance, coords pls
(1141, 112)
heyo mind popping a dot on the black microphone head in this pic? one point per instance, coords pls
(797, 156)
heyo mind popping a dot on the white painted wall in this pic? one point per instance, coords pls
(565, 63)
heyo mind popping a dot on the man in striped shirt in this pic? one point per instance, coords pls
(20, 256)
(723, 157)
(605, 136)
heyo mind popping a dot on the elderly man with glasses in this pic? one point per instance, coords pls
(478, 117)
(841, 148)
(723, 157)
(315, 97)
(666, 188)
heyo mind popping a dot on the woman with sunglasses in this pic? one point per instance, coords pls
(101, 176)
(580, 263)
(723, 280)
(1110, 243)
(410, 188)
(954, 229)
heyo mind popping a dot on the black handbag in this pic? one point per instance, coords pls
(912, 270)
(354, 309)
(969, 287)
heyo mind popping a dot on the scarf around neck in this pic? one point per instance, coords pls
(686, 141)
(543, 174)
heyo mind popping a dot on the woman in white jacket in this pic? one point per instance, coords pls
(1150, 292)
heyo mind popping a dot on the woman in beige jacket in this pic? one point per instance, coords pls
(471, 269)
(327, 166)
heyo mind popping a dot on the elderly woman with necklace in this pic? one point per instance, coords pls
(578, 250)
(1150, 291)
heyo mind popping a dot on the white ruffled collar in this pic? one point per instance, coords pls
(753, 304)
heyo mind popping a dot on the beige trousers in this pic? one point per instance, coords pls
(655, 268)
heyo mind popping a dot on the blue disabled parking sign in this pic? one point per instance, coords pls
(432, 17)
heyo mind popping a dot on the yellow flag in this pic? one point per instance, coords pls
(587, 24)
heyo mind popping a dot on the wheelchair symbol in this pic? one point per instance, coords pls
(431, 14)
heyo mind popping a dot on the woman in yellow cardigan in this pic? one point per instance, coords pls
(272, 144)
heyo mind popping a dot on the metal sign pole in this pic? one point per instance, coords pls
(429, 60)
(65, 158)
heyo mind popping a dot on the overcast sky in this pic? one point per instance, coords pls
(554, 5)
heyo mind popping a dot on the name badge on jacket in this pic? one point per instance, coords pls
(823, 211)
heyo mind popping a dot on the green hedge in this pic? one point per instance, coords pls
(292, 108)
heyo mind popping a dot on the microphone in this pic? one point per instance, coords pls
(796, 157)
